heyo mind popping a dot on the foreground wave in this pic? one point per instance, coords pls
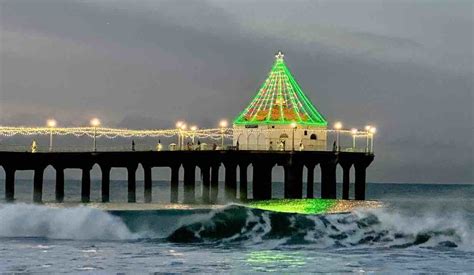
(236, 224)
(377, 227)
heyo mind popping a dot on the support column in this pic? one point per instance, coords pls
(359, 185)
(230, 181)
(147, 184)
(9, 184)
(267, 182)
(293, 181)
(105, 183)
(257, 182)
(174, 183)
(243, 181)
(262, 181)
(328, 180)
(214, 183)
(189, 183)
(206, 184)
(132, 184)
(310, 181)
(346, 169)
(38, 185)
(86, 185)
(59, 184)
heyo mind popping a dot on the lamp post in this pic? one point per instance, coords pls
(338, 127)
(51, 123)
(223, 124)
(367, 135)
(178, 126)
(372, 131)
(95, 122)
(183, 134)
(193, 132)
(354, 133)
(293, 126)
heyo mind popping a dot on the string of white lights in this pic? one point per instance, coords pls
(112, 133)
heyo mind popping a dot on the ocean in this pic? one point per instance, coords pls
(422, 228)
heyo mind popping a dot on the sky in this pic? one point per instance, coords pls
(404, 66)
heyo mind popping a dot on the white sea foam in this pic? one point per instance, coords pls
(78, 223)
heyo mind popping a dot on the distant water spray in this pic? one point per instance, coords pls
(78, 223)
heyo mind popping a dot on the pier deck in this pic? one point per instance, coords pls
(209, 163)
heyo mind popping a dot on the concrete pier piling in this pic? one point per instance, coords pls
(189, 183)
(105, 183)
(86, 185)
(214, 182)
(59, 190)
(328, 179)
(174, 183)
(132, 183)
(310, 181)
(38, 185)
(9, 184)
(243, 195)
(147, 182)
(230, 184)
(209, 163)
(206, 184)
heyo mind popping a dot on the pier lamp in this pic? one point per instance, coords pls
(337, 127)
(178, 126)
(354, 133)
(223, 124)
(95, 122)
(193, 132)
(372, 131)
(367, 136)
(293, 126)
(183, 134)
(51, 123)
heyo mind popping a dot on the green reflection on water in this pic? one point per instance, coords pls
(274, 260)
(302, 206)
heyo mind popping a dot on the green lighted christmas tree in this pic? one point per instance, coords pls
(280, 100)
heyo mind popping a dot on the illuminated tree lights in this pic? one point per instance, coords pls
(280, 100)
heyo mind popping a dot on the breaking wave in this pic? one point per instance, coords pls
(236, 224)
(374, 227)
(78, 223)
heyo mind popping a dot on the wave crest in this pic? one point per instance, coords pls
(82, 223)
(375, 227)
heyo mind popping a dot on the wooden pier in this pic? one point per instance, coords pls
(209, 163)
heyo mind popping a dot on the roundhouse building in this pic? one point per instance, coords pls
(279, 115)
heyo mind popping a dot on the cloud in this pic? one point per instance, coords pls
(146, 64)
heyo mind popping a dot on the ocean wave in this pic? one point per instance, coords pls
(237, 224)
(77, 223)
(369, 227)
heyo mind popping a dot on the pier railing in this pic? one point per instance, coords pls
(147, 147)
(33, 139)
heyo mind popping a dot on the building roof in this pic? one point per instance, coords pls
(280, 100)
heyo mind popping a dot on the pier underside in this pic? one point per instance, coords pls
(234, 163)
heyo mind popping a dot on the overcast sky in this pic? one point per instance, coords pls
(405, 66)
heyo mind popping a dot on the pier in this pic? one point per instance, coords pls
(209, 164)
(279, 127)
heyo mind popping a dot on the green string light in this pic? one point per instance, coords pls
(278, 90)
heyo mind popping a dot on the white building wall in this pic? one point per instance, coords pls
(267, 137)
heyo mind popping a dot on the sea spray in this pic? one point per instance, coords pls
(77, 223)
